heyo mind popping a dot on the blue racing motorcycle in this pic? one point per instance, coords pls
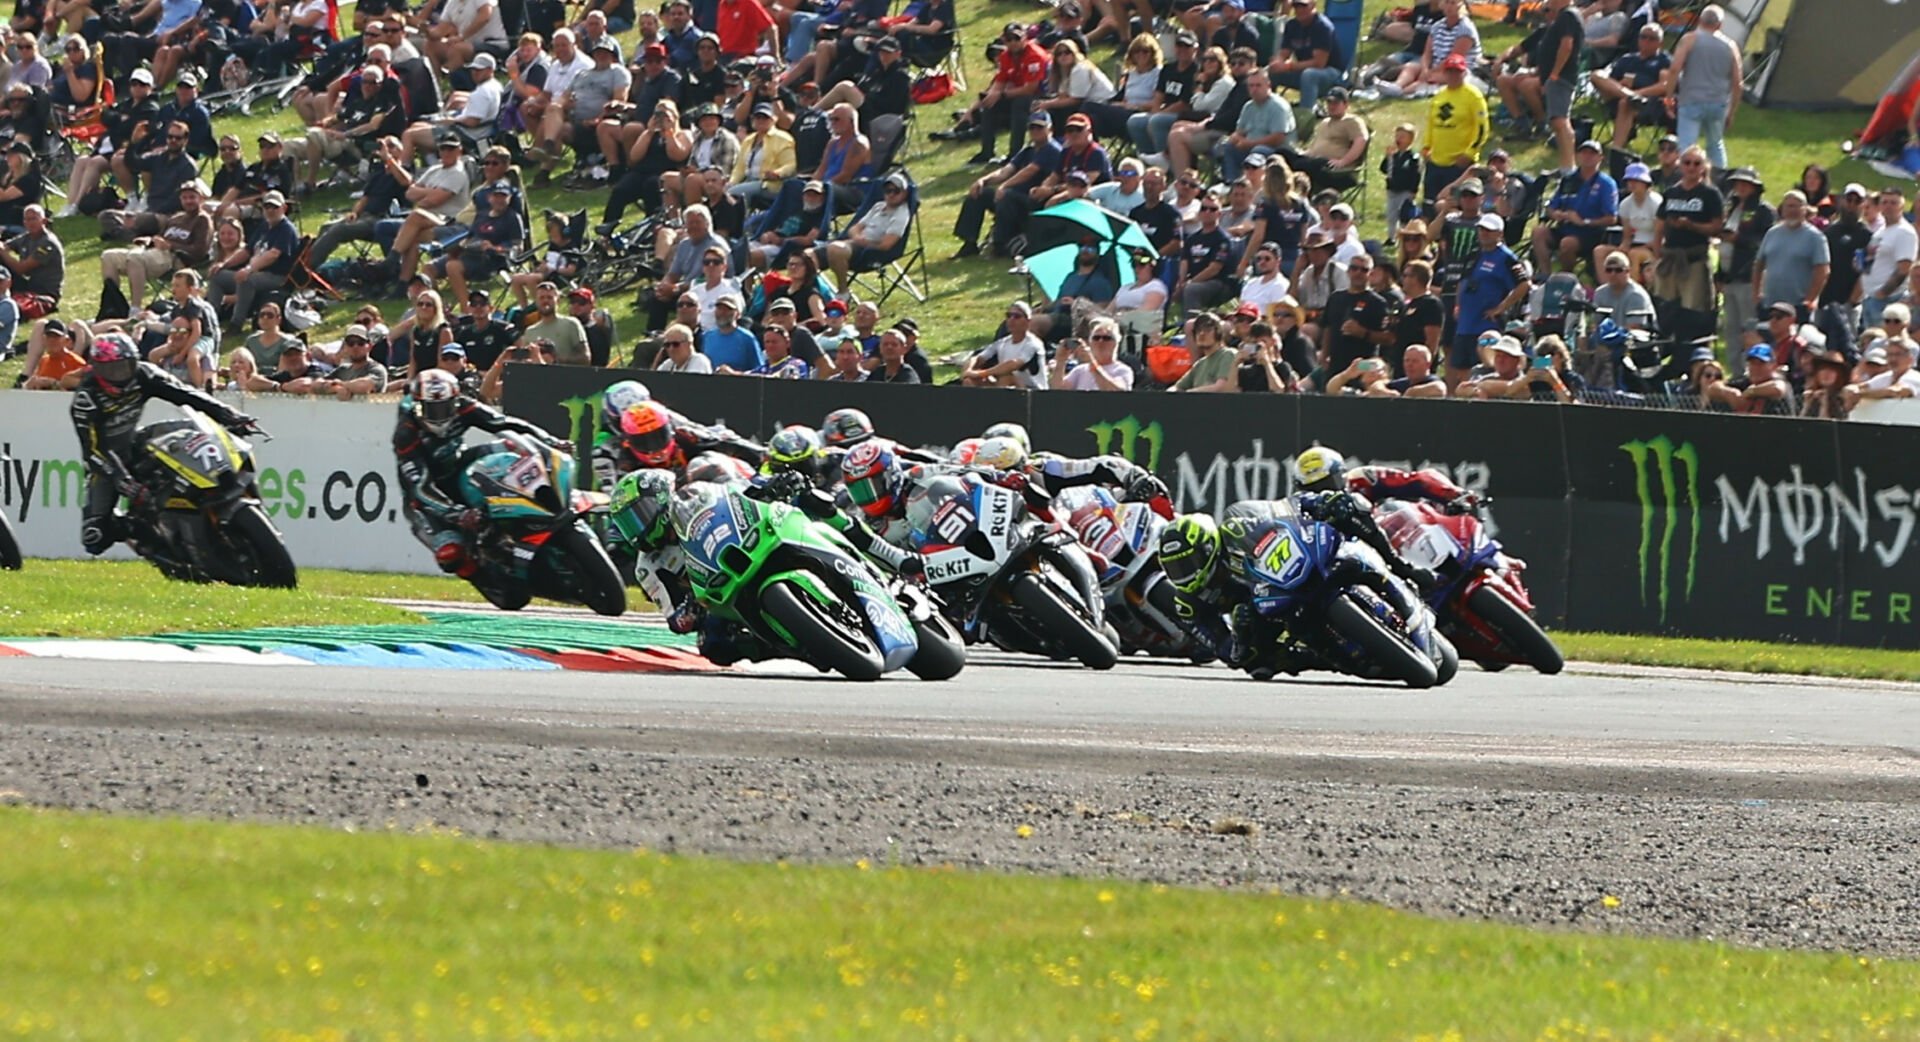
(1342, 605)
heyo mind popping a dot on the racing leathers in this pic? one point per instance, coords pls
(430, 466)
(105, 420)
(611, 460)
(1431, 486)
(1136, 484)
(1222, 616)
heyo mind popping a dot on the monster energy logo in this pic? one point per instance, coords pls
(1119, 438)
(1658, 456)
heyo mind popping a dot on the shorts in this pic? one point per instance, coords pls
(1559, 98)
(1589, 238)
(1463, 352)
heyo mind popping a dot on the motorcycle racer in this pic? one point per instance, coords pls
(430, 452)
(1322, 469)
(1135, 483)
(106, 412)
(651, 436)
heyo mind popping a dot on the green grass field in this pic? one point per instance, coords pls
(130, 929)
(968, 295)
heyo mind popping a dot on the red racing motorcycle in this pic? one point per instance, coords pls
(1481, 600)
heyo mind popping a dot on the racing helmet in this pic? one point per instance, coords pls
(113, 359)
(436, 400)
(639, 508)
(1319, 469)
(846, 427)
(1189, 551)
(873, 477)
(1010, 430)
(646, 432)
(795, 449)
(963, 453)
(719, 468)
(617, 399)
(1000, 453)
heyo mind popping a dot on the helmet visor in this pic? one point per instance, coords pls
(1189, 569)
(117, 372)
(873, 493)
(439, 414)
(650, 445)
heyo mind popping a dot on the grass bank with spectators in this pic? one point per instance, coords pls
(969, 295)
(127, 598)
(140, 928)
(1745, 656)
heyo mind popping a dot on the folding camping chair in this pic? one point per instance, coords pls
(881, 274)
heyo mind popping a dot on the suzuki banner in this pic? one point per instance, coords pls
(1635, 521)
(326, 480)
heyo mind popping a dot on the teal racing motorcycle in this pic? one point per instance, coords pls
(799, 586)
(536, 542)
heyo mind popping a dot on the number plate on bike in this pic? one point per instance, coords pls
(527, 475)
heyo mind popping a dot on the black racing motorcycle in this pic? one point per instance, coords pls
(198, 515)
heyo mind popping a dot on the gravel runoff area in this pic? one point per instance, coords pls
(1780, 860)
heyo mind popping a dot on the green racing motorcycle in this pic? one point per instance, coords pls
(799, 586)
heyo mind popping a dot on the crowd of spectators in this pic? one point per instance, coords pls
(758, 139)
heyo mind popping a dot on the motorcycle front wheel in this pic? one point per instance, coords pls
(1517, 629)
(1395, 655)
(1056, 619)
(824, 640)
(942, 654)
(9, 547)
(272, 565)
(600, 585)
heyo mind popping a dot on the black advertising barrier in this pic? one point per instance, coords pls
(1633, 521)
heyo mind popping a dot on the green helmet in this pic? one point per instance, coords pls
(638, 511)
(1189, 551)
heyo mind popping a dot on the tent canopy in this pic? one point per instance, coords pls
(1841, 53)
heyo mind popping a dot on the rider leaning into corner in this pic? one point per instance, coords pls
(106, 411)
(1207, 563)
(610, 458)
(430, 450)
(1330, 471)
(653, 437)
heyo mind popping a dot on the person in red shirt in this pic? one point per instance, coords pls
(1021, 74)
(743, 25)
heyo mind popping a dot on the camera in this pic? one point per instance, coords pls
(519, 354)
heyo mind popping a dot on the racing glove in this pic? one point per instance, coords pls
(471, 519)
(913, 566)
(686, 617)
(1464, 503)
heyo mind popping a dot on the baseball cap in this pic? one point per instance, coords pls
(1670, 141)
(1247, 311)
(273, 199)
(835, 307)
(1813, 337)
(1079, 119)
(20, 147)
(908, 325)
(1761, 352)
(55, 327)
(1638, 172)
(898, 181)
(1507, 345)
(1498, 153)
(1341, 210)
(1015, 29)
(730, 300)
(781, 304)
(1256, 161)
(654, 50)
(1781, 307)
(189, 78)
(374, 73)
(1186, 39)
(1021, 306)
(143, 76)
(1875, 355)
(1472, 186)
(1897, 313)
(1747, 174)
(1855, 188)
(580, 295)
(814, 186)
(887, 43)
(604, 43)
(452, 351)
(763, 109)
(1589, 145)
(1492, 222)
(483, 60)
(1455, 62)
(1079, 177)
(1040, 119)
(1336, 94)
(268, 137)
(500, 186)
(356, 331)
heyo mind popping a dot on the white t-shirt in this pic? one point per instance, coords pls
(484, 103)
(1349, 248)
(1029, 352)
(1262, 292)
(1640, 220)
(1909, 379)
(1134, 298)
(454, 179)
(1888, 247)
(1087, 83)
(696, 363)
(460, 14)
(708, 296)
(1080, 377)
(560, 74)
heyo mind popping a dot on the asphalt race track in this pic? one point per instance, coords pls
(1761, 811)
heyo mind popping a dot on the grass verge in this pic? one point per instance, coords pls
(129, 928)
(52, 598)
(1747, 656)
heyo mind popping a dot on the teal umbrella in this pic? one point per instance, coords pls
(1056, 235)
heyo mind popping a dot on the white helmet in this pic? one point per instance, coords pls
(1000, 453)
(436, 399)
(1010, 430)
(617, 399)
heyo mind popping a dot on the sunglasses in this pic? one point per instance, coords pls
(424, 306)
(1692, 162)
(712, 262)
(678, 343)
(1017, 314)
(1615, 268)
(1098, 337)
(496, 162)
(170, 137)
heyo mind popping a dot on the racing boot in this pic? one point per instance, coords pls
(454, 559)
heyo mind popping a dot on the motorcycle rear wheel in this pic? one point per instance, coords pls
(1517, 629)
(9, 547)
(1058, 620)
(824, 641)
(1395, 655)
(942, 654)
(1447, 662)
(600, 585)
(272, 564)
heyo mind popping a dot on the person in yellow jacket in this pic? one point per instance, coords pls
(1457, 128)
(766, 159)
